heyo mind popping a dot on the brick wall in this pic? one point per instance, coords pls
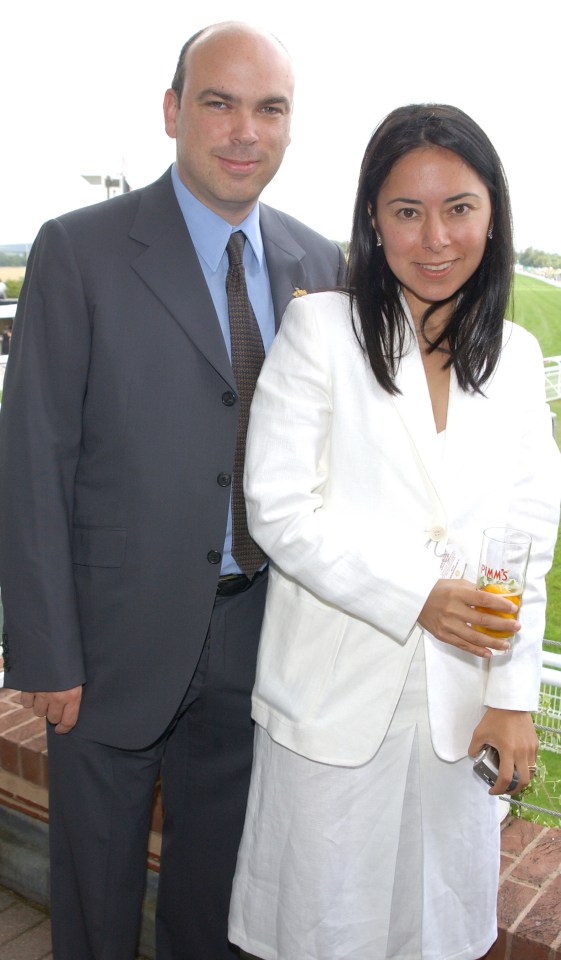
(529, 907)
(23, 743)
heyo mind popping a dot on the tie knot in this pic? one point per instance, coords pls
(234, 248)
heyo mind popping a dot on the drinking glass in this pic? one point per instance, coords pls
(504, 557)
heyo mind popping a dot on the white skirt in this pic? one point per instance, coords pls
(395, 860)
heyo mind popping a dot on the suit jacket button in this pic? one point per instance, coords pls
(224, 479)
(214, 556)
(228, 398)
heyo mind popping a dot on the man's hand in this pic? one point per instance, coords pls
(450, 615)
(60, 707)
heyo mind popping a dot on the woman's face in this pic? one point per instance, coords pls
(433, 215)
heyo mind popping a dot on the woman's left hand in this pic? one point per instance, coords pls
(512, 734)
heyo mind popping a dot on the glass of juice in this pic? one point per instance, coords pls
(504, 557)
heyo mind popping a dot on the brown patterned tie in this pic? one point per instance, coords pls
(247, 358)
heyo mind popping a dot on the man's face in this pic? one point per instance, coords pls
(232, 125)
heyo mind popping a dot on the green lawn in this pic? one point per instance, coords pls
(537, 306)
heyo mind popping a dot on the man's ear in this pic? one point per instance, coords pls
(171, 107)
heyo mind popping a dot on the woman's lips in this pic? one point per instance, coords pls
(436, 269)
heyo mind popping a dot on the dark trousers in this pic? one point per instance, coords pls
(100, 807)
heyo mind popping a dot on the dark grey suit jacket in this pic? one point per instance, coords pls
(118, 417)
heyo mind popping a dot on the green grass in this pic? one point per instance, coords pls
(537, 307)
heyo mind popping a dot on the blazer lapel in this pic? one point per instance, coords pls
(284, 258)
(466, 444)
(415, 409)
(170, 268)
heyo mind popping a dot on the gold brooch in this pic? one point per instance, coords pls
(297, 292)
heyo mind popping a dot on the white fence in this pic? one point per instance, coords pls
(552, 370)
(548, 717)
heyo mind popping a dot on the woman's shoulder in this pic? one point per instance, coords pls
(326, 309)
(520, 361)
(322, 321)
(334, 301)
(327, 317)
(517, 341)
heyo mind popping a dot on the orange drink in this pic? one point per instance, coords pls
(502, 570)
(512, 590)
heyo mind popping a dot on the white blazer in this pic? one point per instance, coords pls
(354, 497)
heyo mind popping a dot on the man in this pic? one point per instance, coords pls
(128, 623)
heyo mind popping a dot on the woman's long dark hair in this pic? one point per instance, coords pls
(474, 330)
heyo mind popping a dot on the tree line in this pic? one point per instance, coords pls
(538, 258)
(13, 259)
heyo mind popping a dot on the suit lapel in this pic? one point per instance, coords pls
(170, 268)
(284, 258)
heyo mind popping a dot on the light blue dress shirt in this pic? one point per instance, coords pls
(210, 235)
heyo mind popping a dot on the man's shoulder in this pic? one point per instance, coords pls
(121, 208)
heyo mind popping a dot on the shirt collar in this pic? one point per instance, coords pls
(209, 232)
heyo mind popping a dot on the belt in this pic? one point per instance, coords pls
(234, 583)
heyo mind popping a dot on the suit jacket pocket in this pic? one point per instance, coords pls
(99, 546)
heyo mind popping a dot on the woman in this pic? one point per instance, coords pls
(391, 426)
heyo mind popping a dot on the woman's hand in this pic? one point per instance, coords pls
(450, 615)
(512, 734)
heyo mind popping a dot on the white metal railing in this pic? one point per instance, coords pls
(547, 721)
(552, 370)
(548, 716)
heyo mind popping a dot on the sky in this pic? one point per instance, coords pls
(82, 86)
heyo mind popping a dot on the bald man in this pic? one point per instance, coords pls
(129, 623)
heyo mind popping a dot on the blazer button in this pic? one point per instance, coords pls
(214, 556)
(229, 398)
(437, 533)
(224, 479)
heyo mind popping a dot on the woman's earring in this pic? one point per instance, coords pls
(376, 234)
(490, 233)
